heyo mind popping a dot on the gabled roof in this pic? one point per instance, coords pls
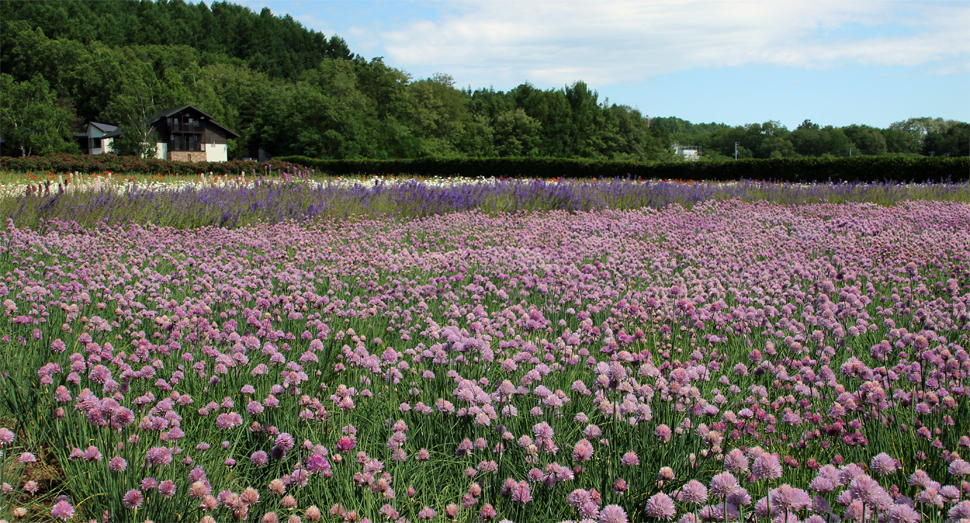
(108, 130)
(105, 128)
(175, 110)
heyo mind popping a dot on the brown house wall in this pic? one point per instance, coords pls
(187, 156)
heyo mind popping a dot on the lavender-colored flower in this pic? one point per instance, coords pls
(167, 488)
(903, 514)
(960, 511)
(613, 514)
(883, 464)
(488, 511)
(741, 498)
(766, 466)
(159, 456)
(542, 431)
(959, 468)
(866, 490)
(724, 484)
(317, 464)
(660, 506)
(345, 444)
(950, 493)
(583, 450)
(630, 459)
(62, 510)
(694, 492)
(27, 457)
(849, 472)
(117, 464)
(259, 458)
(789, 499)
(133, 498)
(716, 512)
(6, 436)
(92, 454)
(822, 485)
(919, 478)
(736, 462)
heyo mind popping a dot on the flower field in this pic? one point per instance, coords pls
(732, 359)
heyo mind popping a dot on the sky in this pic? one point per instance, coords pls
(834, 62)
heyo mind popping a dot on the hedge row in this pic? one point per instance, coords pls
(800, 170)
(804, 170)
(101, 163)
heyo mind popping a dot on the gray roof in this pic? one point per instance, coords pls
(108, 130)
(165, 113)
(105, 128)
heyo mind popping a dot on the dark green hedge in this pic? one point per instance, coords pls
(101, 163)
(859, 169)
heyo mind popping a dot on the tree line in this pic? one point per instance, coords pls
(292, 91)
(911, 137)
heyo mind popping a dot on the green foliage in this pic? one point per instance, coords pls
(954, 141)
(796, 170)
(33, 120)
(102, 163)
(291, 91)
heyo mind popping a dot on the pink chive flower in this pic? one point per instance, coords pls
(62, 510)
(736, 462)
(789, 499)
(630, 459)
(345, 444)
(488, 511)
(883, 464)
(660, 506)
(694, 492)
(959, 468)
(903, 514)
(167, 488)
(724, 484)
(766, 466)
(117, 464)
(613, 514)
(583, 450)
(133, 498)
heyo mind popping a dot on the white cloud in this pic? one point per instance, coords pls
(625, 41)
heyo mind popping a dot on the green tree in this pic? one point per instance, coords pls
(954, 140)
(868, 140)
(32, 120)
(516, 134)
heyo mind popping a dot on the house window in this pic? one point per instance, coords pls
(95, 143)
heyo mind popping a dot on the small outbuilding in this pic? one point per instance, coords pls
(97, 138)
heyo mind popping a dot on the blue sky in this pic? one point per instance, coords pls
(835, 62)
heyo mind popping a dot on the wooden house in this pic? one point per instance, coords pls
(187, 134)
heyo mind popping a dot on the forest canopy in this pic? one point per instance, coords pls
(293, 91)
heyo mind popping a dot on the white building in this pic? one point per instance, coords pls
(689, 152)
(96, 138)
